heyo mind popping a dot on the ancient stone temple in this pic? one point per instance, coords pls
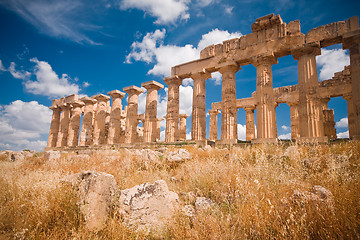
(93, 121)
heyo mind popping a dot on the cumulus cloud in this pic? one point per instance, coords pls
(331, 61)
(19, 74)
(285, 136)
(204, 3)
(166, 11)
(241, 131)
(343, 135)
(152, 50)
(24, 125)
(285, 127)
(48, 82)
(216, 77)
(343, 123)
(56, 18)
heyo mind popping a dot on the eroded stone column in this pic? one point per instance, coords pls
(87, 121)
(310, 108)
(329, 124)
(54, 126)
(294, 118)
(182, 130)
(74, 126)
(172, 116)
(150, 122)
(99, 132)
(213, 129)
(115, 117)
(229, 109)
(64, 125)
(266, 114)
(158, 127)
(132, 122)
(351, 115)
(250, 123)
(351, 41)
(198, 117)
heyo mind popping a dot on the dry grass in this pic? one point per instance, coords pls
(251, 186)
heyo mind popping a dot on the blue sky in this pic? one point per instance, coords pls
(53, 48)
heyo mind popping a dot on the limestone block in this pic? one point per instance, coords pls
(293, 28)
(265, 22)
(218, 49)
(231, 44)
(209, 51)
(178, 156)
(97, 193)
(148, 206)
(52, 155)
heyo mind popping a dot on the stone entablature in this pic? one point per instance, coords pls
(271, 38)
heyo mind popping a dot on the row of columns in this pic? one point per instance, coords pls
(99, 125)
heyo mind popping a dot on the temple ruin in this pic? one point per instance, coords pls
(93, 121)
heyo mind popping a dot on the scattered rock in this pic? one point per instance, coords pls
(318, 195)
(97, 194)
(203, 203)
(161, 149)
(52, 155)
(13, 156)
(188, 210)
(148, 206)
(178, 156)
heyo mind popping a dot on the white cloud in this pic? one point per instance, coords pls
(343, 135)
(2, 68)
(216, 77)
(228, 9)
(152, 50)
(86, 84)
(166, 11)
(204, 3)
(56, 18)
(331, 61)
(19, 74)
(186, 99)
(285, 136)
(241, 131)
(24, 125)
(285, 127)
(188, 82)
(343, 123)
(48, 82)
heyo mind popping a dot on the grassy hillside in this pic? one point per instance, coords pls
(253, 188)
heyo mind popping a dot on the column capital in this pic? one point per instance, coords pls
(55, 108)
(116, 94)
(88, 100)
(77, 104)
(183, 116)
(249, 108)
(292, 103)
(351, 39)
(215, 112)
(101, 98)
(229, 67)
(152, 85)
(133, 90)
(201, 76)
(325, 99)
(264, 60)
(347, 97)
(65, 106)
(173, 80)
(307, 49)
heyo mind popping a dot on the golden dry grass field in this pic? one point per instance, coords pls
(252, 187)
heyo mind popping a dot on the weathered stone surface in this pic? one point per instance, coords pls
(188, 210)
(148, 206)
(292, 152)
(97, 193)
(203, 203)
(178, 156)
(318, 195)
(13, 156)
(52, 155)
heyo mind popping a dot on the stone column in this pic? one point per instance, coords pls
(351, 41)
(351, 115)
(99, 132)
(132, 114)
(64, 125)
(87, 121)
(115, 116)
(198, 117)
(172, 113)
(250, 123)
(213, 129)
(182, 130)
(54, 126)
(266, 114)
(74, 126)
(228, 109)
(294, 118)
(150, 122)
(329, 124)
(310, 109)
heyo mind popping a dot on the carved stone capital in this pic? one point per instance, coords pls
(214, 112)
(249, 108)
(173, 81)
(229, 67)
(201, 76)
(152, 85)
(183, 116)
(116, 94)
(133, 90)
(307, 49)
(264, 60)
